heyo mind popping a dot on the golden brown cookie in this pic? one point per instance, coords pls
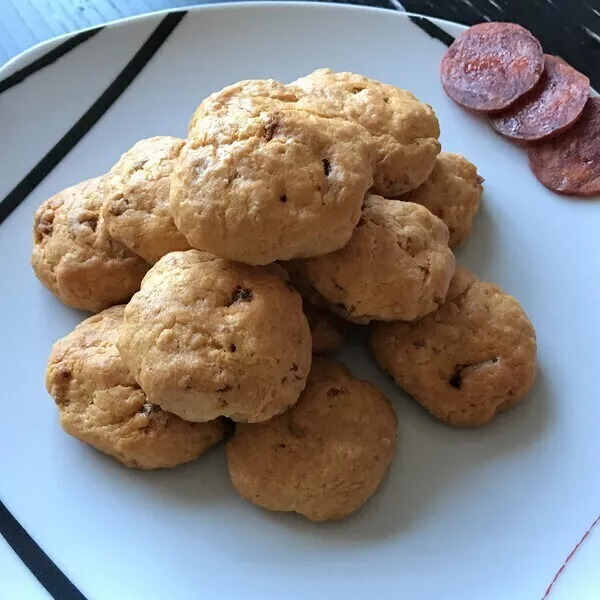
(74, 255)
(397, 265)
(472, 359)
(326, 329)
(325, 456)
(206, 338)
(452, 193)
(136, 210)
(405, 131)
(238, 96)
(100, 403)
(260, 179)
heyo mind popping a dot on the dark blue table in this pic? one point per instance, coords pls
(569, 28)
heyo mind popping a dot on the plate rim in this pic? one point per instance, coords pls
(14, 63)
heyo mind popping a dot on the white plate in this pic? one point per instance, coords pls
(491, 513)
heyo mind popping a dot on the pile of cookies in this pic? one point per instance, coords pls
(289, 211)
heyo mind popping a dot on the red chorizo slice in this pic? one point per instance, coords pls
(491, 65)
(550, 108)
(570, 163)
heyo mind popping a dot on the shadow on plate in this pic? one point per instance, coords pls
(477, 251)
(432, 460)
(433, 463)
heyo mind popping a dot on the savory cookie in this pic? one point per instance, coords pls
(136, 210)
(452, 193)
(261, 180)
(237, 96)
(405, 131)
(100, 403)
(397, 265)
(205, 337)
(326, 329)
(74, 255)
(325, 456)
(473, 358)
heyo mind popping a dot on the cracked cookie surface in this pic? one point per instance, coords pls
(261, 179)
(325, 456)
(472, 359)
(396, 266)
(136, 210)
(205, 337)
(452, 192)
(100, 403)
(405, 131)
(75, 257)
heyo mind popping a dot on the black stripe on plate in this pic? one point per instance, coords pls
(433, 30)
(37, 561)
(91, 116)
(47, 59)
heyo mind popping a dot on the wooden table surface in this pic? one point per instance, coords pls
(569, 28)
